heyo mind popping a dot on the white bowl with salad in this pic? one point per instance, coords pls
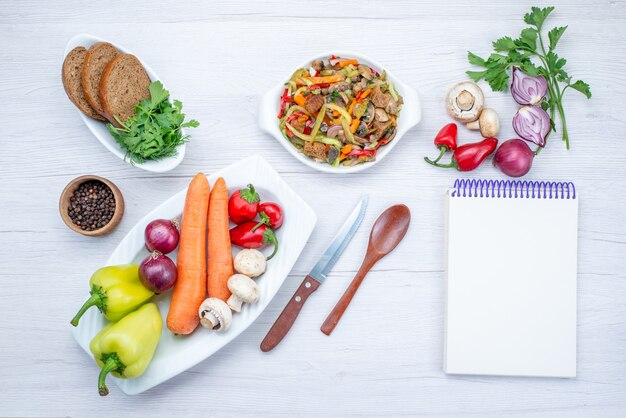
(340, 112)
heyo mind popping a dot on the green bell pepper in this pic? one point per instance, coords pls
(115, 291)
(125, 348)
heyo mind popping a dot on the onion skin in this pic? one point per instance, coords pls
(532, 123)
(158, 272)
(161, 235)
(514, 158)
(528, 90)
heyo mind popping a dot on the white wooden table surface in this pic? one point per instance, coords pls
(385, 357)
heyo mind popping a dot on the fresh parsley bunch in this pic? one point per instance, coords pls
(154, 131)
(518, 52)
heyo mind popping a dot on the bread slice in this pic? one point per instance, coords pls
(124, 83)
(71, 74)
(98, 57)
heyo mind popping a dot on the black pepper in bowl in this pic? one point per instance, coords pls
(92, 205)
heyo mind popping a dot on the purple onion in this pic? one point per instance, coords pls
(528, 90)
(162, 235)
(532, 123)
(514, 158)
(158, 272)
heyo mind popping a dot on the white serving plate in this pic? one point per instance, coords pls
(410, 115)
(99, 129)
(177, 354)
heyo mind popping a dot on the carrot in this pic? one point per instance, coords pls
(190, 289)
(220, 266)
(354, 125)
(327, 79)
(365, 94)
(299, 99)
(351, 107)
(348, 62)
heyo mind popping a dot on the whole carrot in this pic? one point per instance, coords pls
(220, 266)
(190, 289)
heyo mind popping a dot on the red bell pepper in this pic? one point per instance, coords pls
(469, 156)
(284, 101)
(446, 140)
(243, 205)
(271, 214)
(318, 86)
(252, 235)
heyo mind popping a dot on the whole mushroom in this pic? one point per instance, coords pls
(488, 123)
(215, 315)
(243, 289)
(465, 101)
(250, 262)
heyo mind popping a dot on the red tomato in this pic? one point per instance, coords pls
(271, 214)
(243, 205)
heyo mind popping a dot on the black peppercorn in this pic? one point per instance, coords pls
(92, 205)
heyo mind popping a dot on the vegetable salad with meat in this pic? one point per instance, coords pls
(339, 111)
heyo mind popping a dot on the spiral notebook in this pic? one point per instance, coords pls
(511, 278)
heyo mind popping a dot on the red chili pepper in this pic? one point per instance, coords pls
(446, 139)
(243, 205)
(469, 156)
(284, 100)
(317, 86)
(362, 153)
(252, 235)
(271, 214)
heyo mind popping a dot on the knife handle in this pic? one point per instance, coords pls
(286, 319)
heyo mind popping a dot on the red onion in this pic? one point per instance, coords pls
(514, 158)
(333, 131)
(158, 272)
(162, 235)
(532, 123)
(527, 90)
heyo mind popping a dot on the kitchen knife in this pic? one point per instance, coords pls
(316, 277)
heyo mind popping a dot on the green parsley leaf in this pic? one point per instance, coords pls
(475, 59)
(504, 44)
(582, 87)
(154, 131)
(554, 35)
(537, 16)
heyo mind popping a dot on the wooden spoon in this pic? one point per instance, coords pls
(387, 232)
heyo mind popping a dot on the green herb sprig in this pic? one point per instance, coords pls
(519, 52)
(154, 131)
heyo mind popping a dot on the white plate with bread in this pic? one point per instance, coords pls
(91, 78)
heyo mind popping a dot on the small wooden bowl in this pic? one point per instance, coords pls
(69, 190)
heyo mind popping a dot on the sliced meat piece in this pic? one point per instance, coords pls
(313, 103)
(379, 98)
(392, 107)
(124, 83)
(317, 65)
(339, 86)
(315, 150)
(298, 125)
(96, 60)
(71, 74)
(380, 127)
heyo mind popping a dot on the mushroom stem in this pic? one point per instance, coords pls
(234, 303)
(209, 320)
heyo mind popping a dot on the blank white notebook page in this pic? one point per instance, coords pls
(511, 286)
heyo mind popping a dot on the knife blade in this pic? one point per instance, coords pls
(316, 277)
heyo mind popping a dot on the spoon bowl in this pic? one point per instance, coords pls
(387, 232)
(389, 229)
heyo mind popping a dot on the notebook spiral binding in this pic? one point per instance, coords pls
(513, 189)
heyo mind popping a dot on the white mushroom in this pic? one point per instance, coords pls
(488, 123)
(465, 102)
(252, 263)
(215, 314)
(244, 290)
